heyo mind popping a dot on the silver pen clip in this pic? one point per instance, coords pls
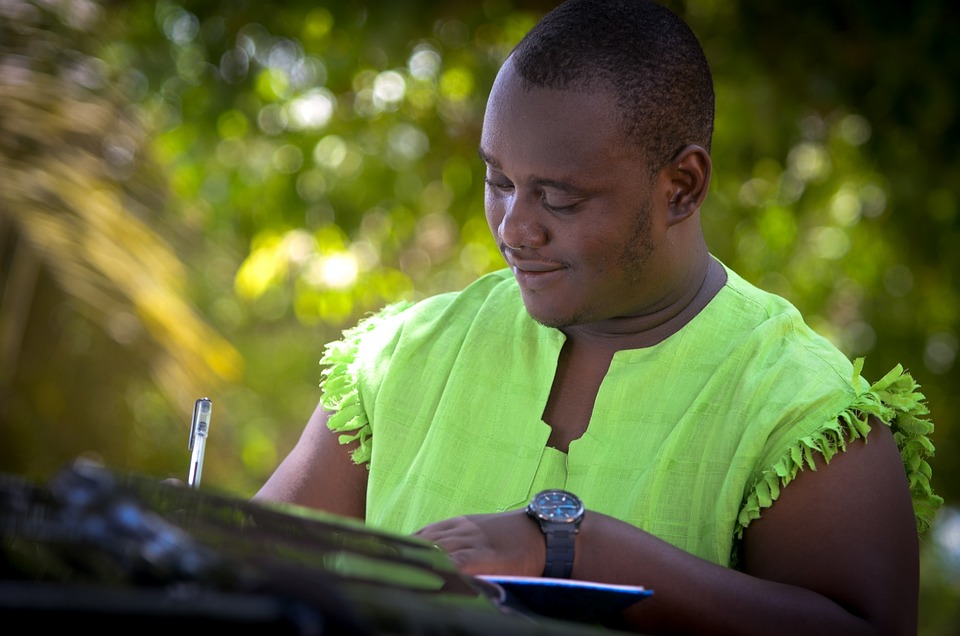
(199, 429)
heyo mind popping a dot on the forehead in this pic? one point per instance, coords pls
(543, 128)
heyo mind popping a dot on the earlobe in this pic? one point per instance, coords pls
(690, 174)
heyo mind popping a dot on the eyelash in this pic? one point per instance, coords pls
(496, 186)
(552, 208)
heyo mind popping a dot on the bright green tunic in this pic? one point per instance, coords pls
(689, 439)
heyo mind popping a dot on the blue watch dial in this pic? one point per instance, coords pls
(557, 505)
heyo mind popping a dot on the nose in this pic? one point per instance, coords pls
(520, 224)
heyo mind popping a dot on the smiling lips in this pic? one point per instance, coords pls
(535, 274)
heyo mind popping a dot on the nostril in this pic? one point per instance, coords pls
(504, 239)
(521, 227)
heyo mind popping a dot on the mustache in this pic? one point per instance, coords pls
(529, 260)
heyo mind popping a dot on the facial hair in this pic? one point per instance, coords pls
(632, 260)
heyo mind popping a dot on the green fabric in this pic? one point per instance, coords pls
(689, 439)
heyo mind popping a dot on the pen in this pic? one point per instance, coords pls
(199, 429)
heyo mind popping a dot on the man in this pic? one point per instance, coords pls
(618, 361)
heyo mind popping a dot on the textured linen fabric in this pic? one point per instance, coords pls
(689, 439)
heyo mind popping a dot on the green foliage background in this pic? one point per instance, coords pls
(195, 197)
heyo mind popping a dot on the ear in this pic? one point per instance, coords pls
(688, 178)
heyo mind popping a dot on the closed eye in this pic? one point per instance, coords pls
(560, 209)
(503, 186)
(560, 204)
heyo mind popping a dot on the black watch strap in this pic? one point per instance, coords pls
(560, 540)
(559, 513)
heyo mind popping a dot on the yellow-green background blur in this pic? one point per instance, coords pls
(195, 197)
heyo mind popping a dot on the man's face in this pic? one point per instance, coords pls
(570, 203)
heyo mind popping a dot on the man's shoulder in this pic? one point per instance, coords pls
(496, 288)
(744, 308)
(752, 295)
(444, 315)
(771, 336)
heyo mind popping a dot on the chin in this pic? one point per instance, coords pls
(551, 317)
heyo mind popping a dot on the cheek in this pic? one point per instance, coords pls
(601, 251)
(493, 210)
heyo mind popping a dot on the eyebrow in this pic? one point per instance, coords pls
(562, 186)
(487, 159)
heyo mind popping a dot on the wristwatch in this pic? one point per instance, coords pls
(559, 514)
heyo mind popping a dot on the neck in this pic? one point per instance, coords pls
(695, 289)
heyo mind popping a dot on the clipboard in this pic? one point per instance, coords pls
(566, 599)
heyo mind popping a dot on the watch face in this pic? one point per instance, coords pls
(557, 505)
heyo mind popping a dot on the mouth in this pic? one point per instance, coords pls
(533, 274)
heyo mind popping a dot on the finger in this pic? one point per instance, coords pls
(440, 526)
(449, 540)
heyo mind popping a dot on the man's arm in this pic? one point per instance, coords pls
(847, 531)
(319, 473)
(837, 553)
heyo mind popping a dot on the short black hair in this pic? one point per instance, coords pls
(641, 50)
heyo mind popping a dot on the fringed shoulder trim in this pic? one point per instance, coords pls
(339, 384)
(894, 400)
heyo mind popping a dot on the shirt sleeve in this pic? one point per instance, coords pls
(897, 402)
(340, 382)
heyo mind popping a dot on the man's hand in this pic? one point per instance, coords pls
(507, 543)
